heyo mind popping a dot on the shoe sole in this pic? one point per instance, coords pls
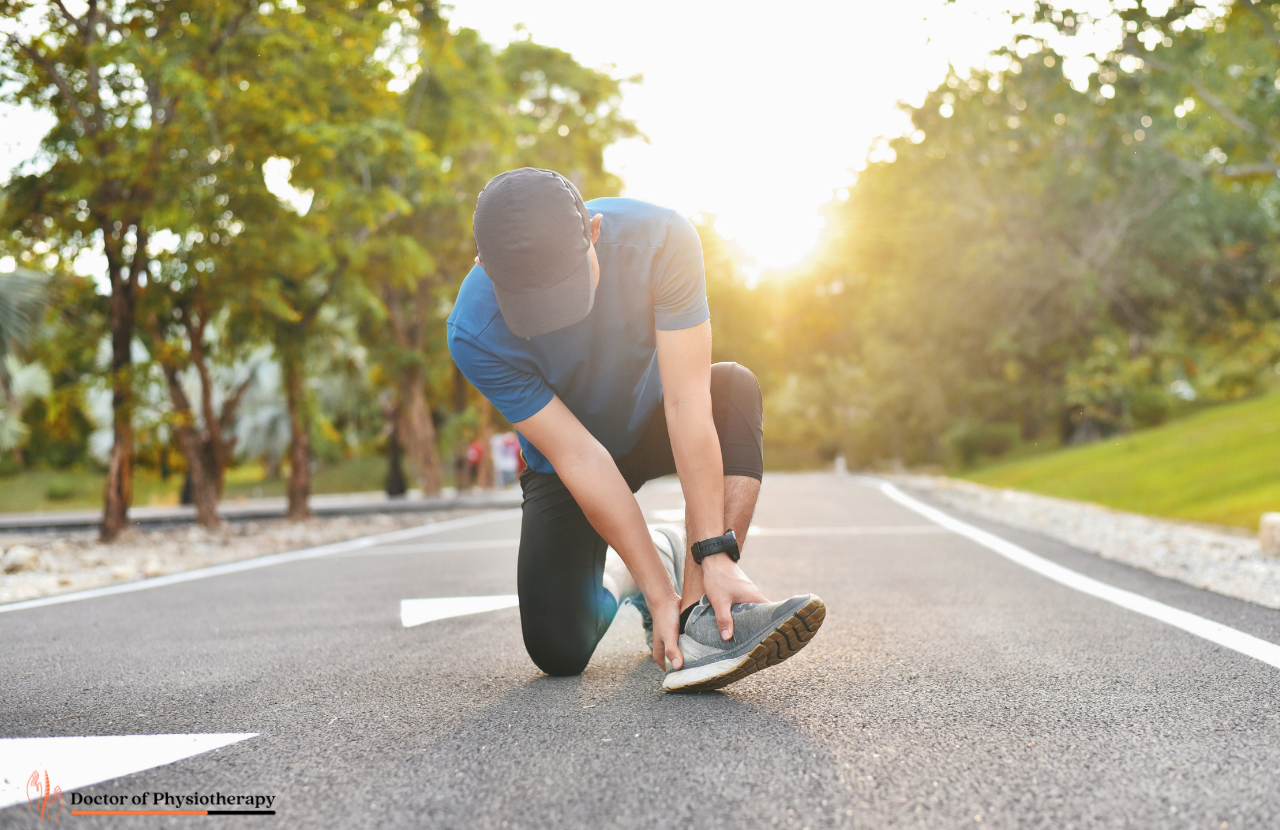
(793, 634)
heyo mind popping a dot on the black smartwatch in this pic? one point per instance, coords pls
(727, 543)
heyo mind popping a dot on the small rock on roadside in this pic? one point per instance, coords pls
(20, 558)
(1269, 534)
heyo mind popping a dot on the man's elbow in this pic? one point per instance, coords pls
(582, 460)
(696, 407)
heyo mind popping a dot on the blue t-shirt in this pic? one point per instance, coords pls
(604, 367)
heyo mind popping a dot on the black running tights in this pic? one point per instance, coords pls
(564, 609)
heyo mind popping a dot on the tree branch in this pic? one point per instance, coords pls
(1236, 120)
(1267, 25)
(231, 27)
(64, 89)
(1246, 171)
(71, 18)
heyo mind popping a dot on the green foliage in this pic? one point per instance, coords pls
(22, 294)
(739, 314)
(384, 120)
(564, 115)
(1035, 265)
(60, 489)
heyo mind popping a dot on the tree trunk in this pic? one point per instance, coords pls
(118, 490)
(299, 488)
(462, 473)
(223, 440)
(484, 473)
(204, 488)
(395, 483)
(419, 432)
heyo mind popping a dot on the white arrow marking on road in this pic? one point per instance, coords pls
(73, 763)
(1223, 635)
(418, 611)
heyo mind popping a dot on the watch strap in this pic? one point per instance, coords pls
(728, 544)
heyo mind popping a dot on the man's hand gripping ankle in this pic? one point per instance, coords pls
(724, 583)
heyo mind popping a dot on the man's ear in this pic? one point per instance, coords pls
(595, 227)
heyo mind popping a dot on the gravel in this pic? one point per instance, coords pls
(1225, 560)
(38, 564)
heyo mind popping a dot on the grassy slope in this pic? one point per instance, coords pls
(1221, 465)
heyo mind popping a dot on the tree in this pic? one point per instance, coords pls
(128, 85)
(481, 113)
(456, 105)
(1020, 268)
(165, 115)
(1210, 73)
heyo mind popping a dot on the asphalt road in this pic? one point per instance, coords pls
(948, 687)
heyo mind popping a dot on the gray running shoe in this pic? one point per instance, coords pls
(669, 540)
(764, 634)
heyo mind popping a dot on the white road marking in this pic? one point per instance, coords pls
(431, 547)
(675, 514)
(868, 530)
(418, 611)
(267, 561)
(81, 762)
(1214, 632)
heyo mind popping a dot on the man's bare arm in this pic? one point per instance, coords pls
(684, 361)
(593, 479)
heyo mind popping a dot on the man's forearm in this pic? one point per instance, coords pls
(608, 503)
(696, 448)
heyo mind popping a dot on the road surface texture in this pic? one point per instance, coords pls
(949, 687)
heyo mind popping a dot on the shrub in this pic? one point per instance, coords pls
(59, 489)
(971, 440)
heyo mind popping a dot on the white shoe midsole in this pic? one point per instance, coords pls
(701, 674)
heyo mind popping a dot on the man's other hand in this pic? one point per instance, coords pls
(666, 633)
(725, 583)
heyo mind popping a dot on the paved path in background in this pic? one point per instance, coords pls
(949, 687)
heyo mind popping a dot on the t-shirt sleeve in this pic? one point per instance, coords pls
(680, 283)
(516, 394)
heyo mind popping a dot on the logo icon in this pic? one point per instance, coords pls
(48, 798)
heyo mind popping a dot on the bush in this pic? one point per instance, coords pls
(60, 489)
(1149, 406)
(971, 440)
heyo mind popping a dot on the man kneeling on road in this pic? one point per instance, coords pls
(587, 327)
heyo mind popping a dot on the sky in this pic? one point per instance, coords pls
(758, 113)
(755, 112)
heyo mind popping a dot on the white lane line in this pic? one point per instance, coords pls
(675, 514)
(418, 611)
(1214, 632)
(72, 763)
(868, 530)
(267, 561)
(431, 547)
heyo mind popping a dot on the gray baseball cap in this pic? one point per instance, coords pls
(533, 233)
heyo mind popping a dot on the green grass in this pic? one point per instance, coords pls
(37, 490)
(352, 475)
(1220, 465)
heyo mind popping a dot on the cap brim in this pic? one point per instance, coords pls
(549, 309)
